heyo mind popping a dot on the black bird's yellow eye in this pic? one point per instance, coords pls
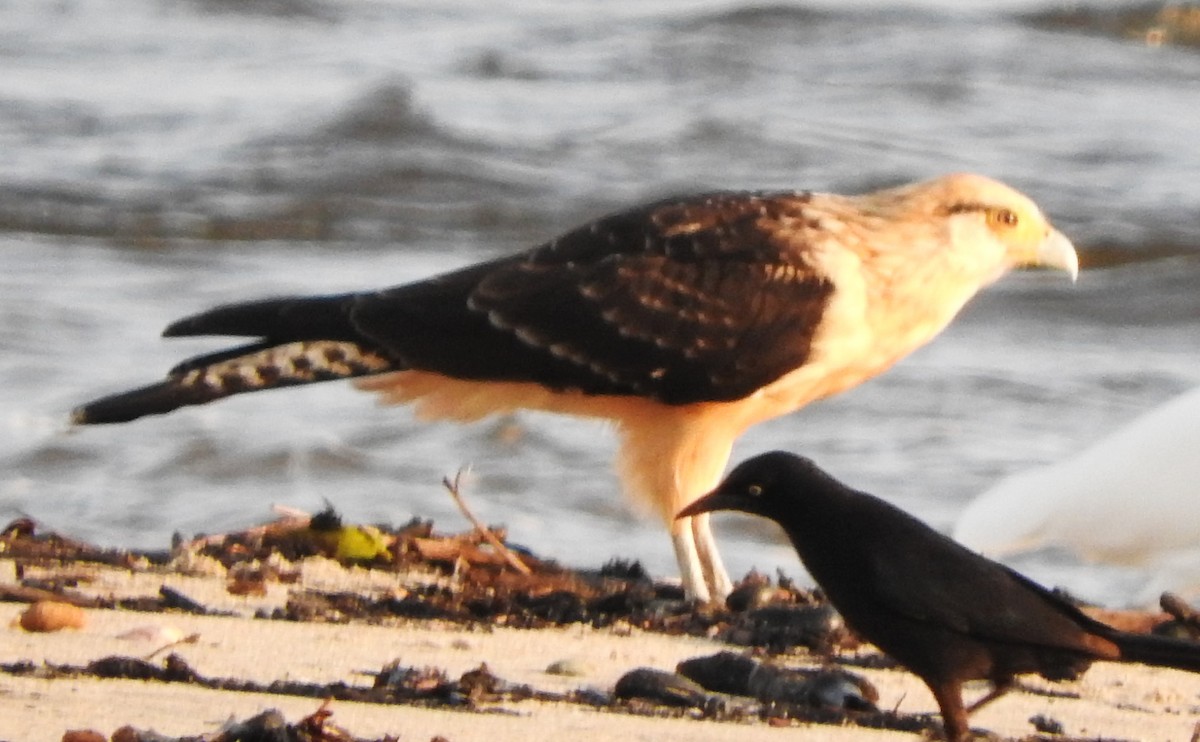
(754, 490)
(1002, 217)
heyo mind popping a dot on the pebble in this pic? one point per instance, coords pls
(50, 615)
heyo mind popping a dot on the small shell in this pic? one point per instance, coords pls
(1046, 725)
(571, 668)
(50, 615)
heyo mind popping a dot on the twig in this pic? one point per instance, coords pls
(288, 519)
(513, 560)
(189, 639)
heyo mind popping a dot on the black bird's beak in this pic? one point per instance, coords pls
(715, 500)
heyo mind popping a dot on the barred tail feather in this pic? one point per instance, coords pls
(219, 375)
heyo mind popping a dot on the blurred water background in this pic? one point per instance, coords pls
(162, 157)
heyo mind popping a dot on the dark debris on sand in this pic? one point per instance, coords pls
(268, 726)
(475, 690)
(481, 587)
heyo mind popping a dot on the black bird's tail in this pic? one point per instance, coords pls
(303, 341)
(1161, 651)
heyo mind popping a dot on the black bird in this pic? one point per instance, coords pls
(941, 610)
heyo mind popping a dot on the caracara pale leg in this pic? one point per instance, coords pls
(695, 586)
(715, 576)
(669, 457)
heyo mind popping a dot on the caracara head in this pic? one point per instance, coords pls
(989, 224)
(1014, 221)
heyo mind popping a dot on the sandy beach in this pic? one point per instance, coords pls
(1110, 702)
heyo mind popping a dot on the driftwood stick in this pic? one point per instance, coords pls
(512, 559)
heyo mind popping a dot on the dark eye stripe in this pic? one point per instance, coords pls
(1006, 216)
(965, 207)
(998, 214)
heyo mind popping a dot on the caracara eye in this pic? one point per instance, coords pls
(754, 490)
(1004, 217)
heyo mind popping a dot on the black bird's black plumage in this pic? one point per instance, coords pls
(684, 300)
(946, 613)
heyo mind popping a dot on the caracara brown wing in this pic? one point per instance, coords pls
(683, 301)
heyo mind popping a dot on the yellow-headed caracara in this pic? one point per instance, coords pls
(684, 321)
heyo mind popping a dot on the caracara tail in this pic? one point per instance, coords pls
(279, 320)
(195, 382)
(1161, 651)
(302, 341)
(156, 399)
